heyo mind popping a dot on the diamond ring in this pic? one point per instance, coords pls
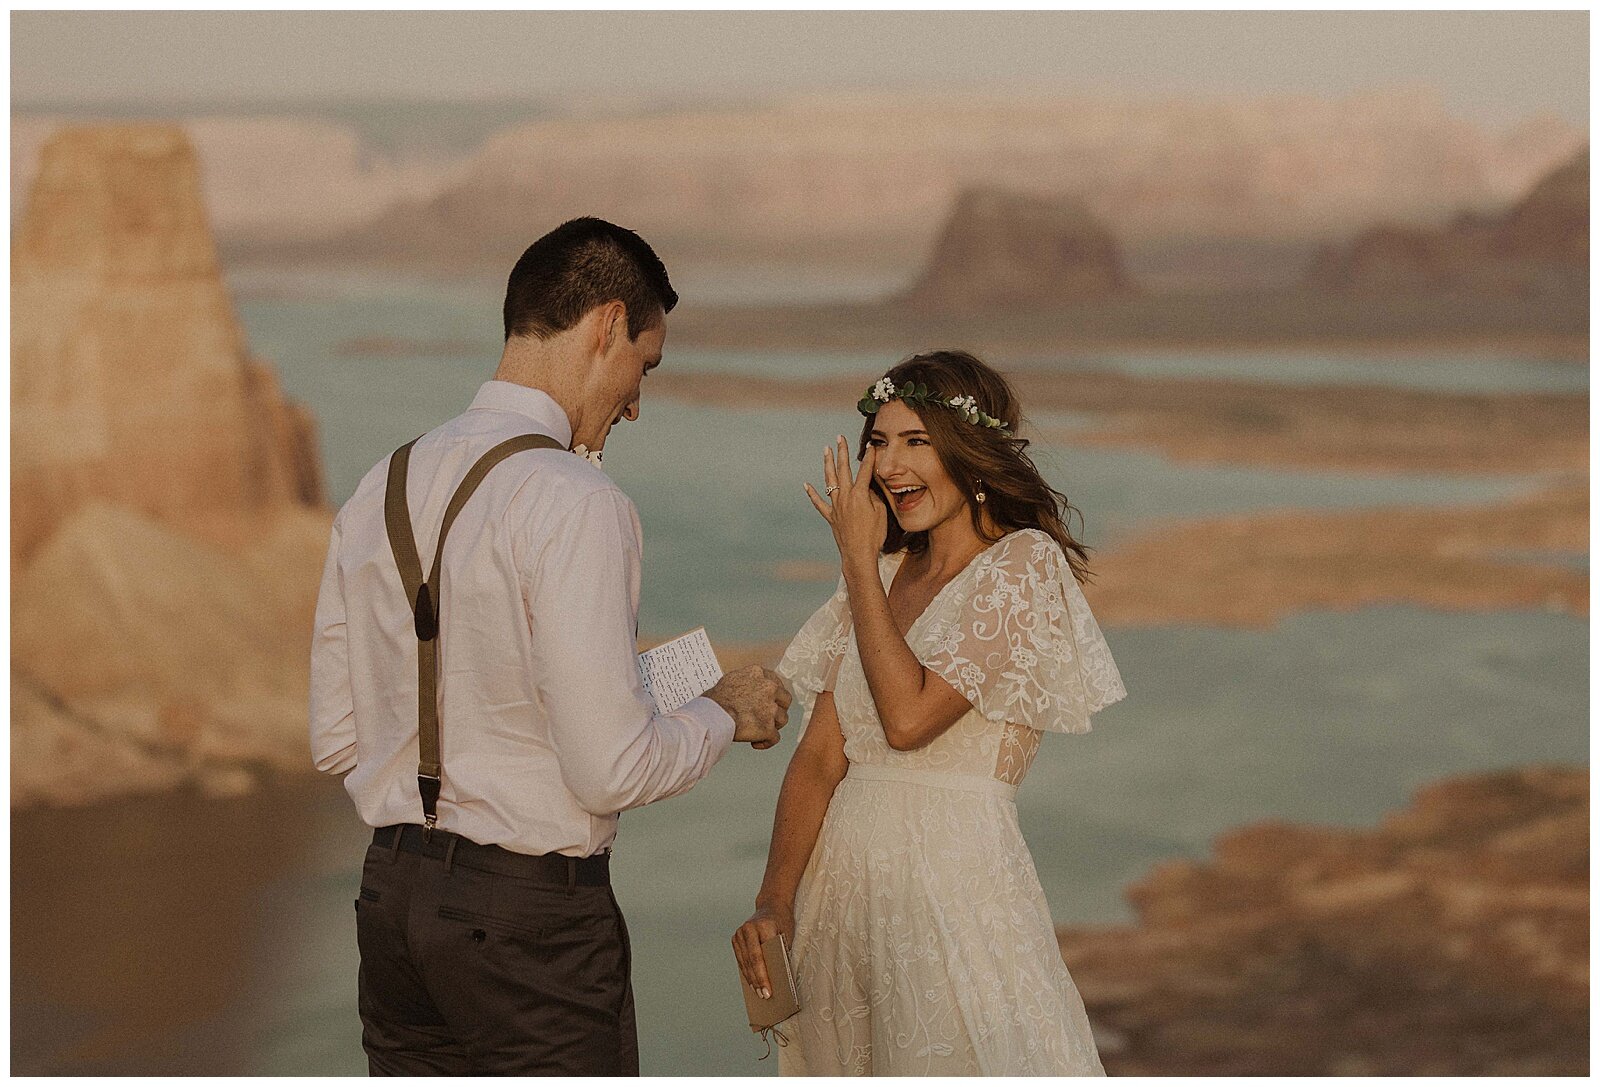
(829, 490)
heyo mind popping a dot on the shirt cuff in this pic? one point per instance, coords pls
(717, 722)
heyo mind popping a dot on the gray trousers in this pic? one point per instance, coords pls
(473, 972)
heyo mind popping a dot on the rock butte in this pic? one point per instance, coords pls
(168, 506)
(1006, 250)
(1538, 245)
(131, 380)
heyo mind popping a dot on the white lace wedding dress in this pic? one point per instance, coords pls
(923, 944)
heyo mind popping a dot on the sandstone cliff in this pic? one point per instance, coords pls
(143, 657)
(1003, 250)
(1540, 245)
(130, 378)
(1452, 939)
(168, 507)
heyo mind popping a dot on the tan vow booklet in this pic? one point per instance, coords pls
(785, 998)
(679, 670)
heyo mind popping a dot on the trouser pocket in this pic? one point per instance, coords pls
(538, 975)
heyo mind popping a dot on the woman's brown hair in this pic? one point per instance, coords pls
(1015, 494)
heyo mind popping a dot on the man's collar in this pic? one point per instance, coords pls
(535, 404)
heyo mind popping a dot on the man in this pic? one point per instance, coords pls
(490, 940)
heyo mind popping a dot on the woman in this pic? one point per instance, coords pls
(921, 940)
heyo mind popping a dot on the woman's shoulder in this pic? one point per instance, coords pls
(1025, 545)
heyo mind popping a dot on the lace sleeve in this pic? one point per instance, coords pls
(811, 663)
(1022, 646)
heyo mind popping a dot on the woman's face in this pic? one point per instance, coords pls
(921, 492)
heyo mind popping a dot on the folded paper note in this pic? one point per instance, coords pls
(679, 670)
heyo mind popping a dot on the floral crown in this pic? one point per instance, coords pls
(920, 396)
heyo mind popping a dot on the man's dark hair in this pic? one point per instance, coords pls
(581, 264)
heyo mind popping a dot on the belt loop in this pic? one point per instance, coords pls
(394, 846)
(450, 854)
(572, 873)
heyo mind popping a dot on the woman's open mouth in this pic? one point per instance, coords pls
(907, 498)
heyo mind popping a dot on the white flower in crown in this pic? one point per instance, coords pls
(883, 390)
(967, 406)
(592, 456)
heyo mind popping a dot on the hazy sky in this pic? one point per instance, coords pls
(1487, 65)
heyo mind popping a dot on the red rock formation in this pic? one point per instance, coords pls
(168, 509)
(130, 378)
(144, 657)
(1002, 250)
(1452, 939)
(1540, 245)
(1551, 223)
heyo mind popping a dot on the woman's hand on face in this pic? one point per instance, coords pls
(855, 512)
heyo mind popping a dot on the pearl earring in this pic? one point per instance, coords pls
(980, 496)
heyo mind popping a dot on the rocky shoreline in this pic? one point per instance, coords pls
(145, 657)
(1450, 939)
(1252, 570)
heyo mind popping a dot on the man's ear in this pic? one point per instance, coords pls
(613, 325)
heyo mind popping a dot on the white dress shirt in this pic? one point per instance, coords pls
(545, 732)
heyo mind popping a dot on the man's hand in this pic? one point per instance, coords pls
(757, 700)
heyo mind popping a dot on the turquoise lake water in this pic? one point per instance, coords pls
(719, 490)
(225, 942)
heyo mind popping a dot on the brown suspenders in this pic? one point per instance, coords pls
(424, 596)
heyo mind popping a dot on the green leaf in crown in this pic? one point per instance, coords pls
(920, 396)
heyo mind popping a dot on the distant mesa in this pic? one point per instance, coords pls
(1203, 191)
(1539, 246)
(168, 510)
(1006, 250)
